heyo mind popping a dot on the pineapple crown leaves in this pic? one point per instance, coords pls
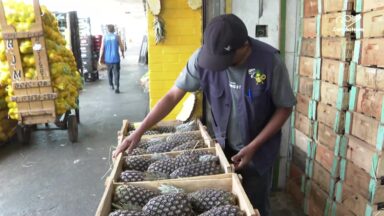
(208, 158)
(158, 156)
(170, 189)
(126, 206)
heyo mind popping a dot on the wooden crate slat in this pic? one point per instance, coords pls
(336, 72)
(368, 5)
(299, 158)
(337, 48)
(371, 52)
(328, 137)
(360, 181)
(323, 178)
(339, 209)
(317, 200)
(366, 77)
(330, 6)
(336, 24)
(311, 27)
(310, 67)
(303, 124)
(310, 8)
(305, 86)
(331, 94)
(310, 47)
(304, 105)
(304, 143)
(331, 117)
(367, 101)
(328, 159)
(373, 24)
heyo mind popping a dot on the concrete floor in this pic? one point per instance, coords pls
(53, 177)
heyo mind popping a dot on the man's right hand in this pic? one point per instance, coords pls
(129, 143)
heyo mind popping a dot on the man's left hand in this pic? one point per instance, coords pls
(242, 158)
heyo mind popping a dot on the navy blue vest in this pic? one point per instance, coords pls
(256, 95)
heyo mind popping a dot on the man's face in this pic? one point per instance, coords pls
(241, 54)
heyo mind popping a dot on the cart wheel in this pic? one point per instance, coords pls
(23, 134)
(72, 128)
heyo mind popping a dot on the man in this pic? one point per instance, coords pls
(109, 54)
(248, 88)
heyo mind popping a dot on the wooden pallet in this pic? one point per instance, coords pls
(365, 128)
(120, 160)
(368, 5)
(302, 123)
(365, 156)
(310, 8)
(328, 159)
(336, 72)
(310, 47)
(355, 202)
(311, 27)
(337, 24)
(368, 77)
(34, 97)
(372, 24)
(361, 182)
(368, 102)
(303, 85)
(309, 67)
(331, 94)
(331, 117)
(326, 136)
(367, 52)
(337, 48)
(229, 182)
(332, 6)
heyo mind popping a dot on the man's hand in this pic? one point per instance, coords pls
(129, 143)
(242, 158)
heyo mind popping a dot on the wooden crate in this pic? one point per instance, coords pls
(120, 160)
(35, 98)
(310, 47)
(323, 178)
(331, 117)
(336, 72)
(306, 106)
(304, 143)
(309, 67)
(311, 27)
(331, 94)
(229, 182)
(339, 209)
(293, 185)
(368, 5)
(360, 181)
(317, 200)
(366, 77)
(372, 24)
(365, 128)
(310, 8)
(331, 6)
(368, 102)
(326, 136)
(355, 202)
(328, 159)
(370, 51)
(365, 156)
(303, 124)
(299, 158)
(337, 48)
(337, 24)
(303, 85)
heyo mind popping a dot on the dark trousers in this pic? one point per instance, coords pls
(257, 187)
(114, 74)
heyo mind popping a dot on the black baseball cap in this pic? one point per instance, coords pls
(222, 37)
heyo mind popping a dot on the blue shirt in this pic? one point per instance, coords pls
(111, 49)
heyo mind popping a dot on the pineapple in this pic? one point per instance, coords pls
(188, 126)
(134, 176)
(184, 137)
(167, 166)
(162, 147)
(197, 169)
(126, 213)
(138, 163)
(195, 153)
(228, 210)
(148, 132)
(130, 197)
(206, 199)
(169, 204)
(139, 151)
(145, 143)
(193, 144)
(164, 129)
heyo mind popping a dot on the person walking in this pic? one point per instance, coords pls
(248, 88)
(109, 54)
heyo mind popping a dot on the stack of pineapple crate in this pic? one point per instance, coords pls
(227, 181)
(337, 127)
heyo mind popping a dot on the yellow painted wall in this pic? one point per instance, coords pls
(183, 27)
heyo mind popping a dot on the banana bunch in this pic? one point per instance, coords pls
(66, 80)
(7, 126)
